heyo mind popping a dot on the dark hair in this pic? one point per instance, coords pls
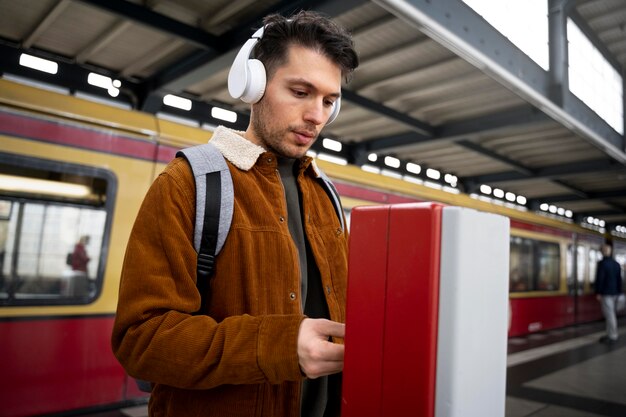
(308, 29)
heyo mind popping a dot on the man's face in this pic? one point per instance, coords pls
(297, 103)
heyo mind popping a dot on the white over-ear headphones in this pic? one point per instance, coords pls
(247, 77)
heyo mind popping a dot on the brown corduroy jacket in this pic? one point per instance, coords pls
(240, 359)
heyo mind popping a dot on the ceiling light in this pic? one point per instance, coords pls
(178, 102)
(433, 173)
(39, 64)
(223, 114)
(544, 206)
(333, 145)
(98, 80)
(392, 162)
(413, 168)
(498, 193)
(510, 196)
(521, 200)
(113, 92)
(485, 189)
(372, 157)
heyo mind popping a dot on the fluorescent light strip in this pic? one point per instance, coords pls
(178, 102)
(332, 144)
(333, 159)
(38, 186)
(223, 114)
(39, 64)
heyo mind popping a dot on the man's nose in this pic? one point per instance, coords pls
(316, 113)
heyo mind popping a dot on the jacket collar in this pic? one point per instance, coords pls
(242, 153)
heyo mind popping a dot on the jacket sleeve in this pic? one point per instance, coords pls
(156, 337)
(600, 278)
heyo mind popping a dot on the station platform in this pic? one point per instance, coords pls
(559, 373)
(567, 373)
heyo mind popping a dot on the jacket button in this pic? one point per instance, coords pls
(292, 296)
(338, 232)
(269, 159)
(281, 218)
(328, 289)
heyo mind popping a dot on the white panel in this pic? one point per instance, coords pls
(473, 309)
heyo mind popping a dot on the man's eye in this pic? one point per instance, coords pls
(328, 103)
(299, 93)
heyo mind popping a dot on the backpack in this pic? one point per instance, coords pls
(214, 215)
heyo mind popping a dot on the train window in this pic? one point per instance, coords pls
(521, 265)
(534, 265)
(594, 256)
(581, 260)
(549, 266)
(54, 222)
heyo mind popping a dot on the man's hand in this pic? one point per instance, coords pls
(317, 355)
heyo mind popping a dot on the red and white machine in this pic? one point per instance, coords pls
(426, 320)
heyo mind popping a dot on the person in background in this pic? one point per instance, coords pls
(608, 287)
(80, 259)
(266, 343)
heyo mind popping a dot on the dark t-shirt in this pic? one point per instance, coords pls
(320, 396)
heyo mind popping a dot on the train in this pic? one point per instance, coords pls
(73, 172)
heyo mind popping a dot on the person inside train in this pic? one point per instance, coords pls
(608, 287)
(80, 259)
(269, 340)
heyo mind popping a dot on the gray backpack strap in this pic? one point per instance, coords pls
(330, 189)
(205, 159)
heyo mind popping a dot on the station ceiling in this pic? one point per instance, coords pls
(437, 85)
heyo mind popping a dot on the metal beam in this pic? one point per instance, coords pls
(556, 171)
(419, 126)
(494, 155)
(508, 119)
(157, 21)
(558, 50)
(457, 27)
(102, 40)
(389, 143)
(49, 18)
(600, 213)
(602, 195)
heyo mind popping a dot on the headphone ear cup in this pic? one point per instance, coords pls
(255, 83)
(335, 112)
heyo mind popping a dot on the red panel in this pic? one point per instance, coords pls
(57, 365)
(540, 313)
(588, 309)
(391, 322)
(410, 355)
(95, 140)
(357, 191)
(365, 312)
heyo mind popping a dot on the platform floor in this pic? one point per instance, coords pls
(567, 373)
(560, 373)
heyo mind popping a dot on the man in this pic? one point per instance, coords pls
(608, 287)
(266, 342)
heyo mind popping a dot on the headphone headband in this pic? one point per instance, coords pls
(247, 78)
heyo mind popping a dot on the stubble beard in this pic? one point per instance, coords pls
(275, 139)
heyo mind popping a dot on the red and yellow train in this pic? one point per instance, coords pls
(71, 168)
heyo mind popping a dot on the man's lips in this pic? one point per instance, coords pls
(304, 137)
